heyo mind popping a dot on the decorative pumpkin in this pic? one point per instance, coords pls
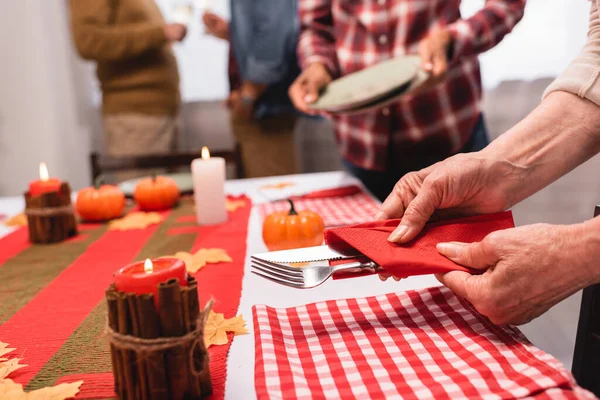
(156, 193)
(100, 203)
(291, 230)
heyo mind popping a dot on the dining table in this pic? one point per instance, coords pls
(553, 332)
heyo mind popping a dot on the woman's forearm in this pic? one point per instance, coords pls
(560, 134)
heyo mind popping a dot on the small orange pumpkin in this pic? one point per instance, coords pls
(291, 230)
(100, 203)
(156, 193)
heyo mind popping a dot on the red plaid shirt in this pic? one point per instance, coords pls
(350, 35)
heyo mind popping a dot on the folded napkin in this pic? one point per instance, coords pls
(426, 344)
(420, 256)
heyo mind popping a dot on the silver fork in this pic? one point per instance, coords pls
(304, 277)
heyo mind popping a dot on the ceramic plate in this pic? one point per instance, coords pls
(389, 98)
(182, 179)
(365, 86)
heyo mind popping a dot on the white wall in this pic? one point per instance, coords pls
(202, 58)
(38, 106)
(550, 35)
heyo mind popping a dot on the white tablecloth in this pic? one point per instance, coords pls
(554, 332)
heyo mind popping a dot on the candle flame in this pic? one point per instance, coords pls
(205, 153)
(148, 267)
(43, 172)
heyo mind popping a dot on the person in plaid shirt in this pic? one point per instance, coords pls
(528, 269)
(340, 37)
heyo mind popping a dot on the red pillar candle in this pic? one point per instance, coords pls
(144, 277)
(44, 184)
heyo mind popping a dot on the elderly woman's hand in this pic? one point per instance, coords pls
(465, 184)
(528, 270)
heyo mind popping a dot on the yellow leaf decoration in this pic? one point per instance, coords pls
(233, 205)
(135, 220)
(215, 331)
(195, 262)
(4, 349)
(8, 366)
(10, 390)
(17, 220)
(281, 185)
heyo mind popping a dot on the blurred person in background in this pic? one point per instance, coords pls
(131, 45)
(263, 35)
(341, 37)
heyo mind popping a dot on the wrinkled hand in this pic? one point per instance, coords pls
(529, 269)
(305, 89)
(215, 25)
(175, 32)
(465, 184)
(434, 52)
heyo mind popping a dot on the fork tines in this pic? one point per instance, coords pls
(278, 273)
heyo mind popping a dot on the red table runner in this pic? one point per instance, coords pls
(53, 310)
(414, 345)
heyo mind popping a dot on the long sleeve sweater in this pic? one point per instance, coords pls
(135, 63)
(582, 76)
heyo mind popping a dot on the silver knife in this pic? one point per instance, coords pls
(306, 254)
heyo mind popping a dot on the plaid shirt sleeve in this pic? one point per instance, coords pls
(486, 28)
(317, 38)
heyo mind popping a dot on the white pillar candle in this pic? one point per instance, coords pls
(209, 189)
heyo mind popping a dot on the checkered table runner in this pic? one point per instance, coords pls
(414, 345)
(335, 211)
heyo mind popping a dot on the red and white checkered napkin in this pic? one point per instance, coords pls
(335, 211)
(425, 344)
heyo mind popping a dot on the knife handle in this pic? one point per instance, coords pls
(358, 266)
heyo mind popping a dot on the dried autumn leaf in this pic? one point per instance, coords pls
(195, 262)
(216, 328)
(4, 349)
(233, 205)
(135, 220)
(10, 390)
(17, 220)
(186, 257)
(8, 366)
(281, 185)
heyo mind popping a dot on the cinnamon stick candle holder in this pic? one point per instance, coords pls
(50, 216)
(158, 352)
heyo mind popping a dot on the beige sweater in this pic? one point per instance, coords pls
(135, 64)
(582, 77)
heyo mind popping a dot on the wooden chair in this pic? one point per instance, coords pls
(102, 164)
(586, 358)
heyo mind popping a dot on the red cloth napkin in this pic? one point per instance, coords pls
(420, 256)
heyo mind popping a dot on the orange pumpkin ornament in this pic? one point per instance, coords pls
(156, 193)
(292, 230)
(100, 203)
